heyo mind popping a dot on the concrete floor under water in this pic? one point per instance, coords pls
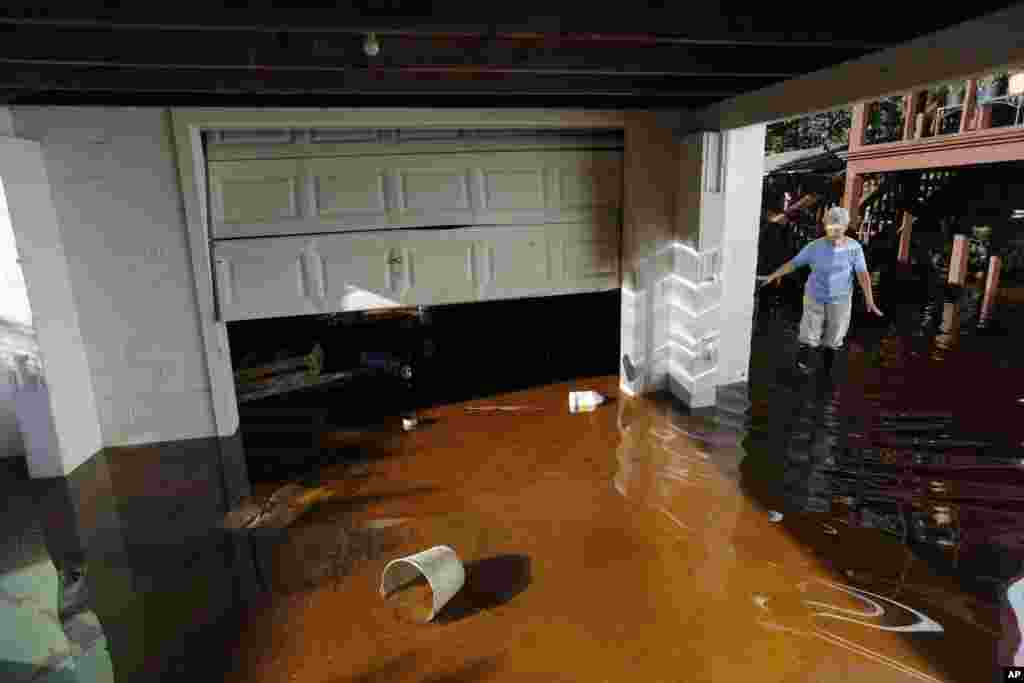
(636, 542)
(631, 543)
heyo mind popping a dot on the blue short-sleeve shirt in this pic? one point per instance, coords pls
(832, 268)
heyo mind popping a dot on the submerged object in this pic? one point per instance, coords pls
(283, 507)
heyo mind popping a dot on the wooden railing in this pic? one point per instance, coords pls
(933, 113)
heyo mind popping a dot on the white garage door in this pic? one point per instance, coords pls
(301, 226)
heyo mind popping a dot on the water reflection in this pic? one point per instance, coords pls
(688, 469)
(901, 484)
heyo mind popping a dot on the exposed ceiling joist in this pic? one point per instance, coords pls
(184, 78)
(318, 102)
(325, 51)
(639, 25)
(730, 21)
(609, 55)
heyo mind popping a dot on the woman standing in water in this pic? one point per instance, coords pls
(828, 297)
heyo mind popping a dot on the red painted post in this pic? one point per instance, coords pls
(908, 225)
(910, 111)
(984, 117)
(857, 124)
(950, 330)
(995, 264)
(970, 99)
(852, 194)
(958, 261)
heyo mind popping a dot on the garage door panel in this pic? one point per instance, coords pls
(301, 196)
(284, 276)
(264, 280)
(255, 195)
(512, 261)
(356, 266)
(513, 188)
(260, 200)
(442, 269)
(349, 191)
(433, 189)
(308, 233)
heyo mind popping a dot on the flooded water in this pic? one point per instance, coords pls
(863, 527)
(638, 542)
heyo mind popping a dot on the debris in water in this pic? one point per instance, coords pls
(423, 583)
(774, 516)
(282, 508)
(495, 409)
(384, 523)
(584, 401)
(311, 363)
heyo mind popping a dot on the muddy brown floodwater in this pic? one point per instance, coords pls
(634, 543)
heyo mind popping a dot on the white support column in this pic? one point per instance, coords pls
(744, 182)
(694, 290)
(57, 412)
(651, 173)
(709, 295)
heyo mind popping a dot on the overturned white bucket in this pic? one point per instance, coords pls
(439, 565)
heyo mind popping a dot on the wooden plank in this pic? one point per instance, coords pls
(975, 147)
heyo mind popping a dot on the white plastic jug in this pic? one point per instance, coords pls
(584, 401)
(439, 565)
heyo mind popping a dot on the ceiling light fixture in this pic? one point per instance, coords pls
(371, 47)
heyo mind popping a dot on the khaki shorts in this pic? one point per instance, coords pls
(825, 324)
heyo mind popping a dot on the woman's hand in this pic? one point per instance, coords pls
(872, 308)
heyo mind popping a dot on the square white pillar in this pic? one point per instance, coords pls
(744, 182)
(56, 408)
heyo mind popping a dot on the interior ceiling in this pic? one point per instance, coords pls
(669, 55)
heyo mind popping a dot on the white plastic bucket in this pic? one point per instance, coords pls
(439, 565)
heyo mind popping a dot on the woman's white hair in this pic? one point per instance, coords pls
(837, 215)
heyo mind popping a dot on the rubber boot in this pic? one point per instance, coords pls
(828, 360)
(803, 358)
